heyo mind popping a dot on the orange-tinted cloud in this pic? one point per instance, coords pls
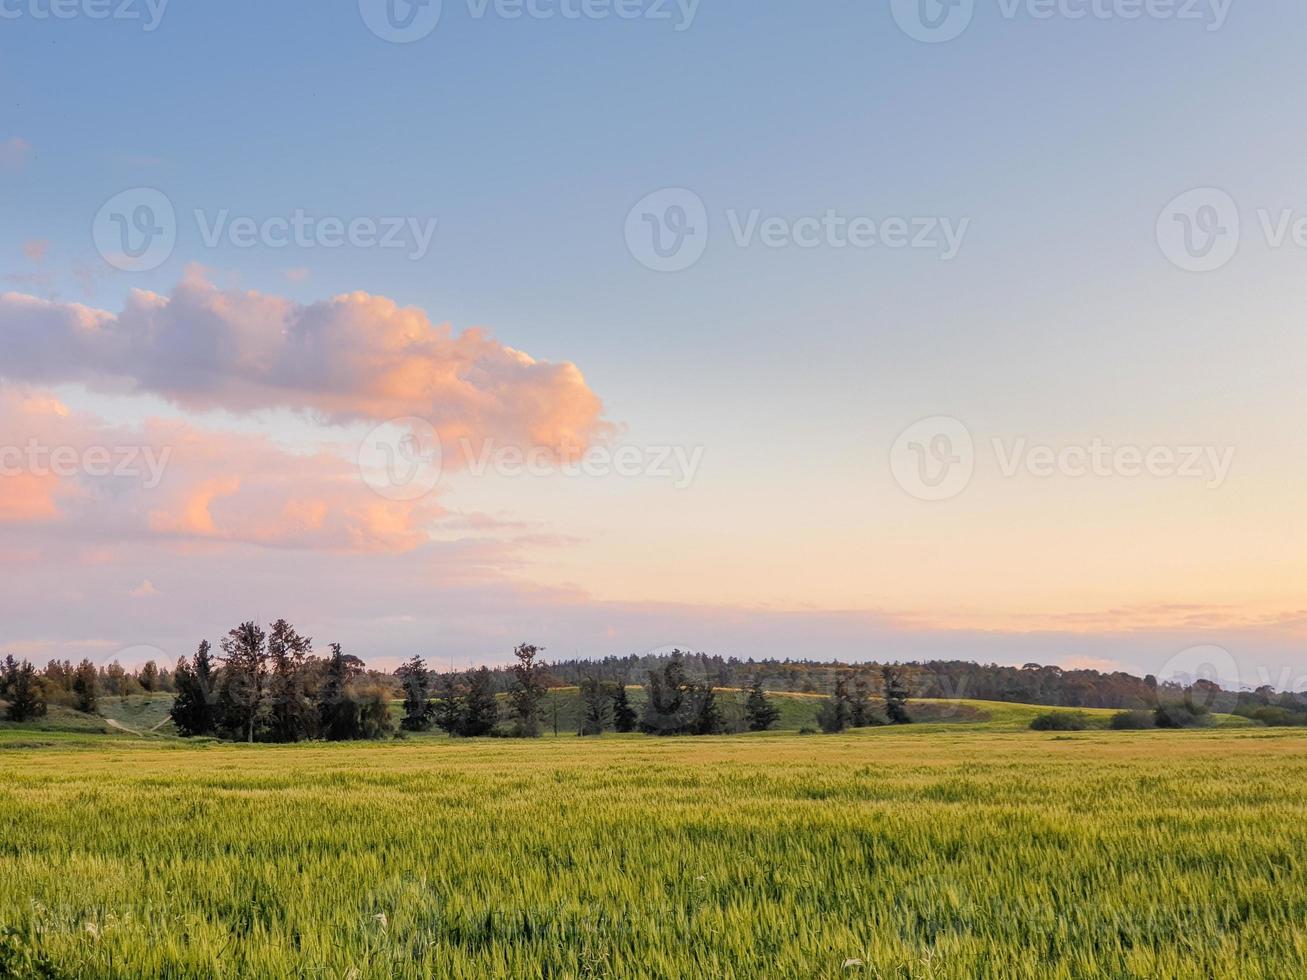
(171, 480)
(354, 357)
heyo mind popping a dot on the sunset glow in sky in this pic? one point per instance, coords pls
(1039, 411)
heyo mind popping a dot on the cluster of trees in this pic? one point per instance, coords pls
(22, 688)
(468, 704)
(851, 705)
(29, 692)
(267, 686)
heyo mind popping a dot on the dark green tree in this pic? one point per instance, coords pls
(291, 713)
(624, 716)
(527, 691)
(86, 687)
(8, 673)
(449, 710)
(707, 716)
(149, 677)
(416, 681)
(338, 713)
(860, 710)
(896, 695)
(833, 713)
(760, 713)
(480, 706)
(193, 709)
(596, 707)
(244, 679)
(665, 706)
(26, 695)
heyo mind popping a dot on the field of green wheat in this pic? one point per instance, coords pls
(931, 852)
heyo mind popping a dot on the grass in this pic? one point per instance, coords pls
(931, 852)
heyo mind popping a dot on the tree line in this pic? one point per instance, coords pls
(467, 704)
(29, 693)
(269, 686)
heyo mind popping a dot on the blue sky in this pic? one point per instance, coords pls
(1058, 140)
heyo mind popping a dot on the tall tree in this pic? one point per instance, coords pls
(337, 711)
(527, 691)
(481, 707)
(665, 705)
(624, 716)
(26, 696)
(149, 676)
(707, 717)
(193, 708)
(760, 713)
(8, 673)
(416, 680)
(292, 716)
(86, 687)
(596, 707)
(896, 695)
(833, 714)
(245, 674)
(449, 710)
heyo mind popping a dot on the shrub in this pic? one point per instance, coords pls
(1060, 721)
(1181, 715)
(1277, 717)
(1133, 721)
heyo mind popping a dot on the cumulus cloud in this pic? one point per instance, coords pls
(353, 357)
(71, 473)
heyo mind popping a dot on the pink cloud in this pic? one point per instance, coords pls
(36, 249)
(14, 153)
(353, 357)
(170, 480)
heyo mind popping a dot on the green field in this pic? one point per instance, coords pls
(965, 850)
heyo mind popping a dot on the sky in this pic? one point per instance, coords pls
(890, 329)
